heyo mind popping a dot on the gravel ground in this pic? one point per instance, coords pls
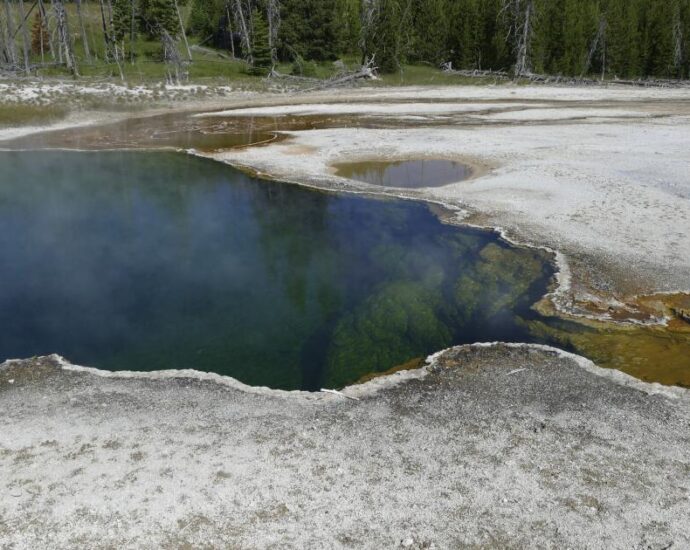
(489, 447)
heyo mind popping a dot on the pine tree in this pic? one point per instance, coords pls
(313, 29)
(623, 55)
(430, 31)
(261, 49)
(158, 16)
(658, 37)
(122, 19)
(201, 18)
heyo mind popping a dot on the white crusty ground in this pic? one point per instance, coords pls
(615, 190)
(493, 447)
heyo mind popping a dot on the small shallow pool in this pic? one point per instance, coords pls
(408, 174)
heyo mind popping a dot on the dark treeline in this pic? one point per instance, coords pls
(610, 38)
(623, 38)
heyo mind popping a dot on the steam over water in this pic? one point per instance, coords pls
(147, 261)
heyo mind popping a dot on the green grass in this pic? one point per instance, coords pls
(25, 115)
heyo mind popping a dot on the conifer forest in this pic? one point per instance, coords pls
(616, 39)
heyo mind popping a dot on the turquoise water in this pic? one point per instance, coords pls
(147, 261)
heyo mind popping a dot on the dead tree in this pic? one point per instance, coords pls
(273, 16)
(175, 72)
(108, 38)
(5, 58)
(64, 37)
(82, 28)
(244, 30)
(25, 36)
(11, 52)
(368, 71)
(369, 12)
(132, 23)
(45, 21)
(520, 15)
(677, 40)
(599, 40)
(232, 41)
(182, 31)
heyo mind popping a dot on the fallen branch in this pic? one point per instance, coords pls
(515, 371)
(339, 393)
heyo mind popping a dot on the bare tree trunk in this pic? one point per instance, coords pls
(10, 49)
(246, 39)
(677, 40)
(64, 37)
(44, 21)
(173, 61)
(232, 38)
(25, 37)
(82, 28)
(521, 29)
(601, 31)
(524, 42)
(132, 16)
(184, 34)
(106, 32)
(273, 15)
(368, 15)
(4, 57)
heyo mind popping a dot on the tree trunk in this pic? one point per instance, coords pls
(132, 15)
(25, 37)
(106, 33)
(520, 15)
(64, 37)
(677, 42)
(232, 40)
(44, 21)
(593, 48)
(246, 39)
(9, 47)
(524, 41)
(4, 57)
(184, 34)
(82, 28)
(273, 16)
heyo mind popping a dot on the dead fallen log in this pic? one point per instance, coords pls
(292, 77)
(368, 71)
(209, 51)
(568, 80)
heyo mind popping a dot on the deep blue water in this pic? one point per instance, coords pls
(147, 261)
